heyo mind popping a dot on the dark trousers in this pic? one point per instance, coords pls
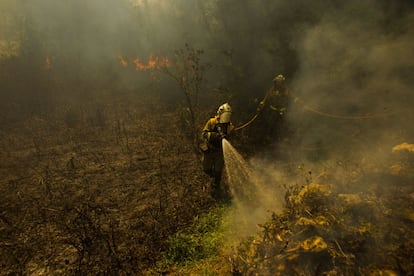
(213, 163)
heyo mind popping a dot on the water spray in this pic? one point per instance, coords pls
(254, 196)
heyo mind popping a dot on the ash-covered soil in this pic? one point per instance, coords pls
(96, 187)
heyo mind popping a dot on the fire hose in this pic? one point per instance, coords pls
(322, 113)
(345, 117)
(248, 123)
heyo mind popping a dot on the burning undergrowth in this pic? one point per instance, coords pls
(334, 217)
(338, 218)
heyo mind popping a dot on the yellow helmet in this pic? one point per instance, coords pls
(279, 78)
(224, 113)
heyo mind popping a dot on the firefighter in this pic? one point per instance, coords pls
(216, 129)
(272, 110)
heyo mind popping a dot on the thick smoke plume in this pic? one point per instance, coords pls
(354, 84)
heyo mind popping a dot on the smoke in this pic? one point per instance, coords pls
(92, 30)
(354, 84)
(255, 190)
(351, 98)
(349, 64)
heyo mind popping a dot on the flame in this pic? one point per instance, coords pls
(156, 62)
(48, 63)
(122, 61)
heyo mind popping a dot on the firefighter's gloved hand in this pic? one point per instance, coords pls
(221, 132)
(215, 136)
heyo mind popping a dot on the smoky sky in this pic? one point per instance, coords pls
(347, 58)
(256, 34)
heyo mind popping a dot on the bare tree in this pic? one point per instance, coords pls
(188, 72)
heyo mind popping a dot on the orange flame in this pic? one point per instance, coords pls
(153, 63)
(122, 61)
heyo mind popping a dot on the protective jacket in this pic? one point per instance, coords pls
(213, 132)
(276, 100)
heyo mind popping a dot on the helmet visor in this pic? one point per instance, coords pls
(225, 117)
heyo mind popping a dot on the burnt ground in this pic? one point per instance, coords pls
(99, 186)
(96, 187)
